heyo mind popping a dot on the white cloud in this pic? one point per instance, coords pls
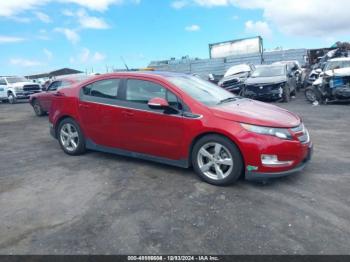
(298, 17)
(24, 62)
(179, 4)
(259, 28)
(70, 34)
(9, 8)
(99, 56)
(192, 28)
(87, 57)
(48, 54)
(10, 39)
(43, 17)
(91, 22)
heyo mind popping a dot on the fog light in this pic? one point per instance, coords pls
(272, 161)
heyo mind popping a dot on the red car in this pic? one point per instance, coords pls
(180, 120)
(41, 102)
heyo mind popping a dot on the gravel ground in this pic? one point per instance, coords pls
(98, 203)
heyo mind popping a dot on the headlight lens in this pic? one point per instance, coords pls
(277, 132)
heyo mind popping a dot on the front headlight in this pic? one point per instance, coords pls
(270, 131)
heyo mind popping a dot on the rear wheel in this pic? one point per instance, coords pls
(11, 98)
(70, 137)
(38, 109)
(217, 160)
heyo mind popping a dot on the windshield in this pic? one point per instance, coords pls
(237, 69)
(331, 65)
(12, 80)
(269, 71)
(200, 90)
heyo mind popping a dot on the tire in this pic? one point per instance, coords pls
(37, 108)
(294, 92)
(11, 98)
(209, 152)
(69, 132)
(312, 95)
(286, 94)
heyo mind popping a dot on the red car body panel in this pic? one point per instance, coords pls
(45, 97)
(171, 137)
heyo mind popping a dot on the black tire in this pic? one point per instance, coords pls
(80, 142)
(286, 94)
(11, 98)
(233, 172)
(312, 95)
(294, 92)
(37, 108)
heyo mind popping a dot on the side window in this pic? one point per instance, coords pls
(64, 84)
(2, 82)
(54, 86)
(103, 89)
(140, 91)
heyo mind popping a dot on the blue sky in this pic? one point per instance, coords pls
(39, 36)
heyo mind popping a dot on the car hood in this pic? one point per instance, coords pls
(256, 113)
(266, 80)
(338, 72)
(21, 84)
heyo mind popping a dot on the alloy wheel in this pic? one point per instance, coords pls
(69, 137)
(215, 161)
(310, 95)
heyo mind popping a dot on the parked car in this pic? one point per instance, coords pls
(13, 88)
(41, 102)
(294, 69)
(234, 78)
(270, 82)
(180, 120)
(333, 83)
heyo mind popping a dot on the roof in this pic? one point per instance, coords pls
(59, 72)
(156, 73)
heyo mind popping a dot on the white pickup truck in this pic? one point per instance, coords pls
(13, 88)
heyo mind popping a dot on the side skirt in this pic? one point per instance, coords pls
(179, 163)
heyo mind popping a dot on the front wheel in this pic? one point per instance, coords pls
(11, 98)
(70, 137)
(217, 160)
(286, 94)
(312, 95)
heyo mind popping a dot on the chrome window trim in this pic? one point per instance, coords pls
(142, 110)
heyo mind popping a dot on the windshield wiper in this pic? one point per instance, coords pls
(230, 99)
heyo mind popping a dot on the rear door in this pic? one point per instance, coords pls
(156, 132)
(99, 112)
(46, 97)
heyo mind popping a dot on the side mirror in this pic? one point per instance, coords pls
(211, 77)
(158, 103)
(322, 74)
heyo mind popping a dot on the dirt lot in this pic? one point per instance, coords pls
(51, 203)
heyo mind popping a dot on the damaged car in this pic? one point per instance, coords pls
(333, 84)
(234, 78)
(270, 82)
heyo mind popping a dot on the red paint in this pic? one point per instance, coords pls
(170, 136)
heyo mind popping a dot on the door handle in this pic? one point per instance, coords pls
(57, 93)
(128, 113)
(84, 106)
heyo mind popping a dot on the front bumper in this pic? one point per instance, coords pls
(257, 176)
(26, 94)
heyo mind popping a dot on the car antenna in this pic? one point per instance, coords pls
(126, 66)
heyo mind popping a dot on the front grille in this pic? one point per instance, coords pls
(302, 134)
(31, 88)
(231, 82)
(262, 89)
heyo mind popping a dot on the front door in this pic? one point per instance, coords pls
(156, 132)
